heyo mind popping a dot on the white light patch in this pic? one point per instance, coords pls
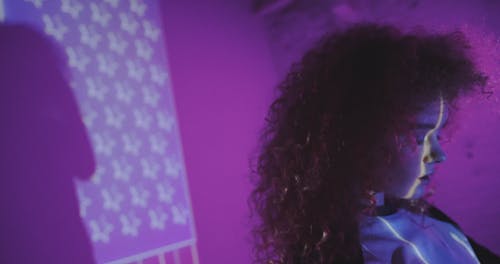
(365, 248)
(464, 244)
(426, 151)
(2, 12)
(398, 236)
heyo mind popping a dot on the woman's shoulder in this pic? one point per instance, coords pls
(406, 237)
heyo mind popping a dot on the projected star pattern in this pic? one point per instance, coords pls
(119, 76)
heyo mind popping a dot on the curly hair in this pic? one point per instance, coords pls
(322, 140)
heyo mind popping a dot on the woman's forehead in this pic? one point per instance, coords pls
(434, 114)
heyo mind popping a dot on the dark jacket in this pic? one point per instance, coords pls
(484, 255)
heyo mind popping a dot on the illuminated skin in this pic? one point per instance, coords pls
(409, 178)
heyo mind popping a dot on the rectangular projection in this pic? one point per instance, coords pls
(137, 203)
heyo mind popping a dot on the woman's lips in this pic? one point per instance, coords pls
(425, 178)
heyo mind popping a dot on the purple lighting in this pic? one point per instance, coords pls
(173, 95)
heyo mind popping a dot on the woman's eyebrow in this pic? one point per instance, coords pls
(425, 126)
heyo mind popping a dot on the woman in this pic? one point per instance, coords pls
(350, 145)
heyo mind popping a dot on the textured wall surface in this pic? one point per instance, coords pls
(136, 203)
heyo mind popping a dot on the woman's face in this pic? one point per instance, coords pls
(414, 170)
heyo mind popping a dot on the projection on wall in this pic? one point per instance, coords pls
(137, 203)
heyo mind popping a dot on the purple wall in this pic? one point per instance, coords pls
(222, 76)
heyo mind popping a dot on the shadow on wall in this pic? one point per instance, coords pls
(44, 145)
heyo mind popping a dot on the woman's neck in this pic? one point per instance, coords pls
(383, 208)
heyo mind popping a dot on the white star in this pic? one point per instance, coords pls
(150, 96)
(172, 167)
(96, 89)
(165, 193)
(114, 118)
(140, 196)
(103, 144)
(77, 59)
(100, 230)
(97, 176)
(130, 224)
(165, 121)
(89, 36)
(138, 7)
(135, 70)
(150, 31)
(143, 49)
(112, 200)
(85, 202)
(131, 144)
(71, 7)
(100, 14)
(149, 169)
(158, 75)
(142, 119)
(54, 27)
(36, 3)
(117, 43)
(106, 64)
(121, 170)
(157, 144)
(157, 219)
(180, 215)
(89, 115)
(128, 24)
(123, 92)
(113, 3)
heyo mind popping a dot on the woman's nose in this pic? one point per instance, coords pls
(436, 154)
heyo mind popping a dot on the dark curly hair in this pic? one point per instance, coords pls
(322, 140)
